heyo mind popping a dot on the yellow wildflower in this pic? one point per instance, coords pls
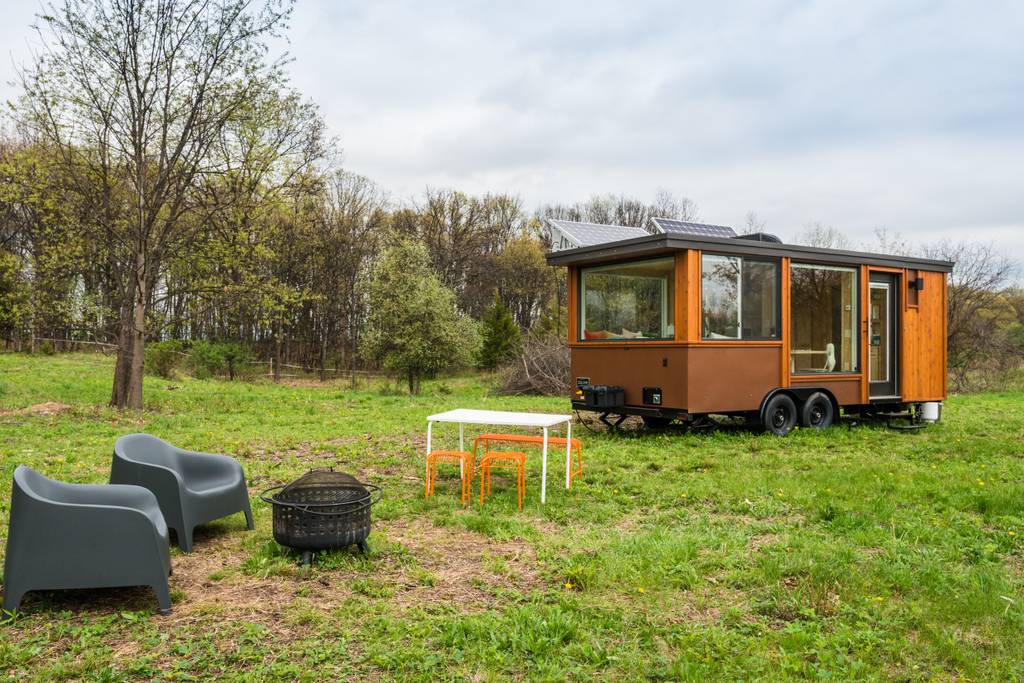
(640, 589)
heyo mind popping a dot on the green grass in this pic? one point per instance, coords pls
(851, 554)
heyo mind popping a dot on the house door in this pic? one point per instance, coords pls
(882, 336)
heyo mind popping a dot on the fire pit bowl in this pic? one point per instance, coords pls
(321, 510)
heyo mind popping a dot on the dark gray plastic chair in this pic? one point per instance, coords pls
(83, 536)
(192, 488)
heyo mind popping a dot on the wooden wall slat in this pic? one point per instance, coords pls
(864, 312)
(693, 295)
(924, 342)
(784, 321)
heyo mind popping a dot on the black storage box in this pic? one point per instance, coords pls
(603, 396)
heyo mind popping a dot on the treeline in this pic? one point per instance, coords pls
(283, 270)
(160, 179)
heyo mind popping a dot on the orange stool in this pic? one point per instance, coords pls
(465, 458)
(503, 460)
(534, 440)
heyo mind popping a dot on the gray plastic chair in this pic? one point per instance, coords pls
(192, 488)
(83, 536)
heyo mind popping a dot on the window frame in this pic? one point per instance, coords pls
(775, 261)
(857, 318)
(668, 309)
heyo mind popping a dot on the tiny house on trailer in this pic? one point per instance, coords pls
(682, 320)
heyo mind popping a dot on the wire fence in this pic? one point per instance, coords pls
(64, 345)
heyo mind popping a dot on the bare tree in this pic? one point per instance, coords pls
(668, 205)
(978, 310)
(347, 240)
(754, 223)
(818, 234)
(142, 90)
(888, 241)
(623, 210)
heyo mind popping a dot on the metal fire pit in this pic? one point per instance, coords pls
(320, 510)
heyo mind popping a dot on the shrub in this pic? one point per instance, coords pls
(46, 348)
(162, 358)
(415, 330)
(235, 358)
(206, 359)
(541, 368)
(209, 359)
(500, 336)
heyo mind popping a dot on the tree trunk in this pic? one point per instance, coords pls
(138, 340)
(323, 355)
(277, 353)
(352, 359)
(131, 341)
(122, 369)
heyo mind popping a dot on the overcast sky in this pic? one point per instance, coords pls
(908, 115)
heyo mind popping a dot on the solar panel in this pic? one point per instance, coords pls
(676, 227)
(588, 234)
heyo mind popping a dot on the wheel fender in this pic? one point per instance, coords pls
(773, 392)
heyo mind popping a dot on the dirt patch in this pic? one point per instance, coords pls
(415, 564)
(466, 569)
(757, 543)
(47, 408)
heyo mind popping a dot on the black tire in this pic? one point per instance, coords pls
(656, 422)
(779, 415)
(817, 412)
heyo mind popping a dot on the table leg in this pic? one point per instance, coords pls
(568, 454)
(462, 447)
(544, 467)
(430, 426)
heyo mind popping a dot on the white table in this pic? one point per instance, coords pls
(545, 421)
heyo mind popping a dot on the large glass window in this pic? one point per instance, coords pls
(739, 298)
(627, 301)
(824, 314)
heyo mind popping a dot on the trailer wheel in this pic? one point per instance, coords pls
(817, 411)
(779, 415)
(656, 421)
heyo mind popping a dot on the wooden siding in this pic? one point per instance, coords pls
(572, 323)
(730, 378)
(784, 321)
(923, 356)
(692, 296)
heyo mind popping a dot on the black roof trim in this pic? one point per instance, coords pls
(651, 244)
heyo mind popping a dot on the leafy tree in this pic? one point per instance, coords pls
(524, 279)
(500, 336)
(414, 328)
(463, 234)
(553, 321)
(137, 95)
(163, 358)
(14, 296)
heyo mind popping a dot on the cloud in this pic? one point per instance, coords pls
(908, 115)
